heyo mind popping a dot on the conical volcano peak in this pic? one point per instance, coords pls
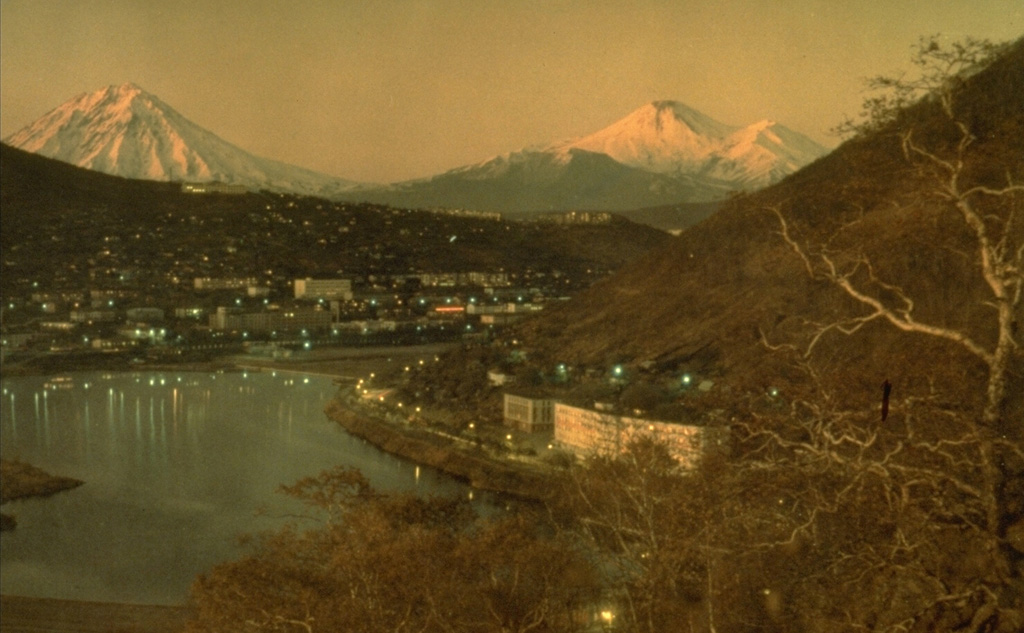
(127, 92)
(125, 131)
(694, 119)
(128, 89)
(670, 137)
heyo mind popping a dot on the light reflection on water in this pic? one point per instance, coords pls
(176, 466)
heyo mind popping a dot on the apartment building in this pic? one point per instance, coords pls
(587, 432)
(529, 414)
(323, 289)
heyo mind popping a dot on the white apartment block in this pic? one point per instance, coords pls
(323, 289)
(529, 414)
(586, 432)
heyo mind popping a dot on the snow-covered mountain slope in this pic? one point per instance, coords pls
(668, 137)
(663, 153)
(125, 131)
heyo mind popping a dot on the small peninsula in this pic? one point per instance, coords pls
(19, 480)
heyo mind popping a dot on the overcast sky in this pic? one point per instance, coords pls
(394, 89)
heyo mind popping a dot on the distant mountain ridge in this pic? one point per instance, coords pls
(125, 131)
(664, 153)
(661, 154)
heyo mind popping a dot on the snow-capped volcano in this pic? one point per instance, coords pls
(662, 153)
(663, 137)
(125, 131)
(668, 137)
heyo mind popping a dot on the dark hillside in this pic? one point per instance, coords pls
(59, 218)
(702, 303)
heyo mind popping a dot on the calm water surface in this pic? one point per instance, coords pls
(176, 465)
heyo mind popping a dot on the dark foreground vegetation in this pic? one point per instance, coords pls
(860, 324)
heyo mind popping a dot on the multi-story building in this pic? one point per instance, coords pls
(462, 279)
(65, 296)
(226, 283)
(144, 314)
(529, 414)
(108, 297)
(92, 316)
(15, 340)
(60, 326)
(184, 312)
(323, 289)
(149, 334)
(589, 432)
(289, 320)
(213, 187)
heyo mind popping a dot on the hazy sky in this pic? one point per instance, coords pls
(394, 89)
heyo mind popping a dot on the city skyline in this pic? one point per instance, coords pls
(383, 92)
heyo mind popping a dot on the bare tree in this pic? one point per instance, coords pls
(987, 197)
(648, 521)
(944, 483)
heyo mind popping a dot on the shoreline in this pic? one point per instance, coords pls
(19, 480)
(23, 614)
(328, 361)
(429, 449)
(467, 463)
